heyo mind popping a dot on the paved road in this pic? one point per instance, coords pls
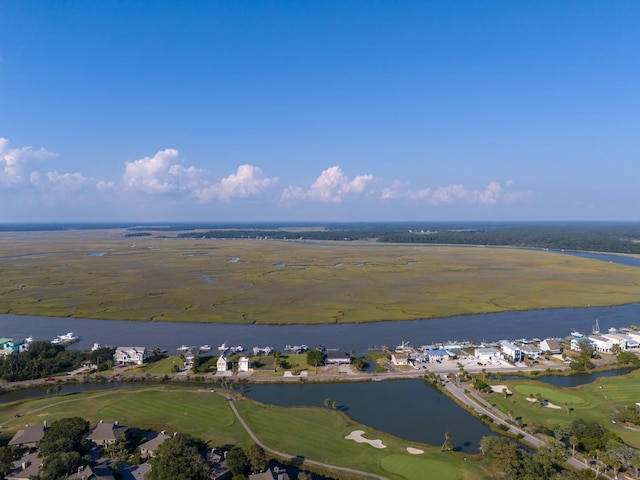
(477, 403)
(286, 455)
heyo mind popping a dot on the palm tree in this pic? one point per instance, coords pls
(276, 359)
(510, 413)
(447, 442)
(334, 405)
(573, 440)
(327, 402)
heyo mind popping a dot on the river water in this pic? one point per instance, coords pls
(358, 337)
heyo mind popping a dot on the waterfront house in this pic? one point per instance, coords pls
(337, 359)
(550, 345)
(510, 351)
(190, 358)
(221, 364)
(106, 433)
(9, 346)
(488, 353)
(400, 358)
(625, 342)
(243, 364)
(149, 448)
(124, 355)
(28, 437)
(577, 341)
(600, 343)
(530, 351)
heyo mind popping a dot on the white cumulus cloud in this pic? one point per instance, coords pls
(330, 187)
(13, 162)
(491, 194)
(248, 181)
(161, 173)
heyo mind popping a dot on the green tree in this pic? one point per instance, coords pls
(181, 456)
(237, 461)
(315, 358)
(276, 359)
(573, 440)
(60, 465)
(8, 455)
(64, 435)
(327, 402)
(257, 457)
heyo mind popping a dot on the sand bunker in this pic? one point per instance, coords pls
(545, 403)
(414, 451)
(356, 436)
(501, 389)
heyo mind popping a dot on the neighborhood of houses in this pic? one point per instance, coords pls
(100, 438)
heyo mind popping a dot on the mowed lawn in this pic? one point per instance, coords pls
(596, 401)
(319, 434)
(198, 412)
(313, 433)
(272, 282)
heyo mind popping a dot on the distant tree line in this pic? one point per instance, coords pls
(613, 237)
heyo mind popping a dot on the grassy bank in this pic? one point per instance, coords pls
(102, 275)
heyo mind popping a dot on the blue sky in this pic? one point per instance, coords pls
(325, 110)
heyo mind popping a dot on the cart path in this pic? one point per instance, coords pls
(285, 455)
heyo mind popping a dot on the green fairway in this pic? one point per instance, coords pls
(313, 433)
(275, 282)
(596, 401)
(319, 434)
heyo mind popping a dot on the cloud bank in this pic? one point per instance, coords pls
(166, 174)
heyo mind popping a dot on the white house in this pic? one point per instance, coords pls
(600, 343)
(222, 363)
(530, 351)
(577, 341)
(489, 353)
(550, 345)
(243, 364)
(510, 351)
(130, 355)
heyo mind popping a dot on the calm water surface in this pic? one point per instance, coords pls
(409, 409)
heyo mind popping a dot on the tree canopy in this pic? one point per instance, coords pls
(181, 456)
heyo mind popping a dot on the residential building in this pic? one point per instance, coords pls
(9, 346)
(26, 468)
(106, 433)
(551, 345)
(221, 364)
(149, 448)
(337, 359)
(577, 341)
(530, 351)
(98, 472)
(488, 353)
(29, 436)
(600, 343)
(244, 364)
(271, 474)
(124, 355)
(400, 358)
(510, 351)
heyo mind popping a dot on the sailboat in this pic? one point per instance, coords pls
(596, 328)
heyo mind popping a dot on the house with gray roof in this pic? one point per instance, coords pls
(99, 472)
(149, 448)
(28, 437)
(106, 433)
(25, 468)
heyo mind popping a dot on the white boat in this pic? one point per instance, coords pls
(96, 346)
(183, 348)
(223, 348)
(204, 348)
(29, 339)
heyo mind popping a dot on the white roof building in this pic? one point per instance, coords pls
(600, 343)
(130, 355)
(243, 364)
(489, 353)
(510, 351)
(221, 365)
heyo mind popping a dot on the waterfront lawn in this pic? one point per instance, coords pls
(588, 401)
(318, 434)
(160, 367)
(199, 412)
